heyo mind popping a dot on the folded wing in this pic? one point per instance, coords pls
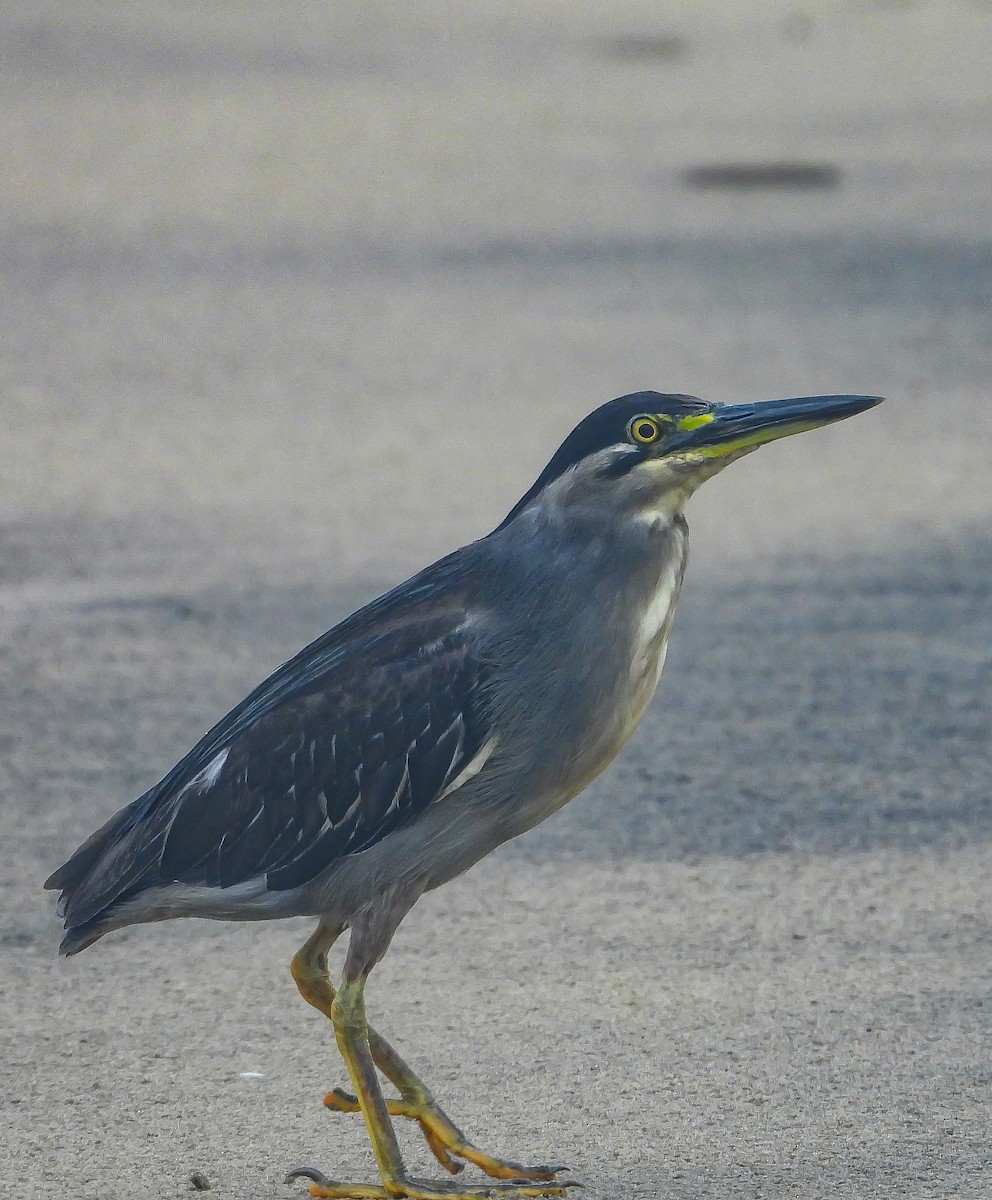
(342, 746)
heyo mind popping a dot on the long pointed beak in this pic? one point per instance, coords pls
(730, 428)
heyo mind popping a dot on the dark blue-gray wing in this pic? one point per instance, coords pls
(330, 773)
(353, 751)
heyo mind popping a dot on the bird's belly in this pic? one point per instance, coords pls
(474, 822)
(634, 697)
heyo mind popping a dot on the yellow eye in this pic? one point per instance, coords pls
(644, 430)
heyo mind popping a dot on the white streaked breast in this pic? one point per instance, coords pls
(651, 633)
(650, 643)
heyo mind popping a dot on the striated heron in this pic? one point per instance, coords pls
(454, 712)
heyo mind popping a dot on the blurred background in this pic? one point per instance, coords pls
(295, 297)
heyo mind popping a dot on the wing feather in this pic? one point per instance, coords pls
(323, 760)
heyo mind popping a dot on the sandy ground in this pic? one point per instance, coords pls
(295, 298)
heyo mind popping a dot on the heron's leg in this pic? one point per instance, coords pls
(309, 968)
(351, 1032)
(416, 1102)
(442, 1134)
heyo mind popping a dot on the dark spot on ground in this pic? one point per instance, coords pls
(795, 176)
(647, 48)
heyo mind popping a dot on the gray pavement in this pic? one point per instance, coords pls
(295, 298)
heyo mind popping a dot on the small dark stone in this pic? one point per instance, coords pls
(198, 1182)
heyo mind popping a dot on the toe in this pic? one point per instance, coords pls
(323, 1188)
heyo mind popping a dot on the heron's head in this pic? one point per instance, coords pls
(648, 452)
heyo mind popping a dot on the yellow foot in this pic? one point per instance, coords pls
(447, 1141)
(424, 1189)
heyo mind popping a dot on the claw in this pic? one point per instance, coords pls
(539, 1173)
(310, 1173)
(554, 1184)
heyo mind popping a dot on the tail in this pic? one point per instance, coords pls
(112, 865)
(80, 936)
